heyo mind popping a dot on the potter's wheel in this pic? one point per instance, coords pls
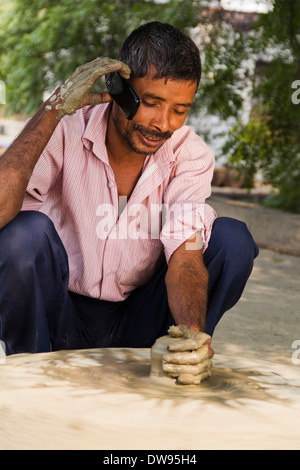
(106, 399)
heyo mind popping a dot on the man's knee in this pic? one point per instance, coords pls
(22, 238)
(234, 239)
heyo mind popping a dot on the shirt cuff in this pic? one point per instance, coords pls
(182, 221)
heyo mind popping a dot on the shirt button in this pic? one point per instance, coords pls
(110, 184)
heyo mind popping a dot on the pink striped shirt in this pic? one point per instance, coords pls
(113, 251)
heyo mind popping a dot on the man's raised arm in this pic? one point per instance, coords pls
(17, 163)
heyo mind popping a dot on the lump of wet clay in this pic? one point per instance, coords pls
(181, 355)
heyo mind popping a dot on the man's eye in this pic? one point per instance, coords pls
(146, 103)
(179, 112)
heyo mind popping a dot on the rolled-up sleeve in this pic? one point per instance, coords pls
(185, 209)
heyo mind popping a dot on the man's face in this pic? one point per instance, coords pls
(163, 109)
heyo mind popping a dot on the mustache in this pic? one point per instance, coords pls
(151, 133)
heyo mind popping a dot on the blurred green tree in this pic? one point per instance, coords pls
(43, 41)
(269, 141)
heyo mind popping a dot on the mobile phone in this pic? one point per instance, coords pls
(123, 94)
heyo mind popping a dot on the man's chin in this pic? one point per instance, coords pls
(141, 146)
(144, 149)
(137, 141)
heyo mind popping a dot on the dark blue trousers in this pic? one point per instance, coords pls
(39, 314)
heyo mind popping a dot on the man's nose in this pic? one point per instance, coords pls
(161, 120)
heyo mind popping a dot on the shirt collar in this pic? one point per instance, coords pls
(95, 133)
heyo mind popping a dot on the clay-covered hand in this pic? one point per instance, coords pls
(185, 355)
(75, 92)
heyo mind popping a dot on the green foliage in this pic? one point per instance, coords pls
(43, 41)
(222, 84)
(270, 142)
(250, 146)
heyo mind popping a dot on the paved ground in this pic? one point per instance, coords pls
(266, 321)
(105, 399)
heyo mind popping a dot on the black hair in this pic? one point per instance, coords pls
(173, 54)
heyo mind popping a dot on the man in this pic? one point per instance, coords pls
(78, 267)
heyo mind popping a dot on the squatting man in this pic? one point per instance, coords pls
(65, 287)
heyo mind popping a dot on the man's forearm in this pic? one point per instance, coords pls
(17, 163)
(187, 282)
